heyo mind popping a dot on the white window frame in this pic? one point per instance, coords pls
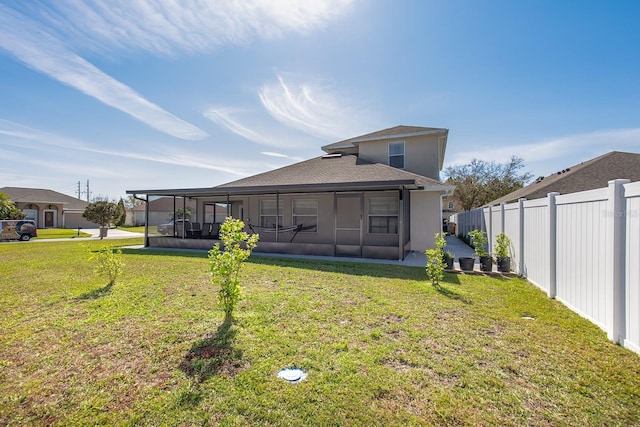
(274, 206)
(295, 216)
(394, 212)
(397, 155)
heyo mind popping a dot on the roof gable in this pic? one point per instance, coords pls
(41, 195)
(331, 170)
(389, 133)
(589, 175)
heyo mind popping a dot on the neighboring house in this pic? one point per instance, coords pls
(48, 208)
(378, 195)
(589, 175)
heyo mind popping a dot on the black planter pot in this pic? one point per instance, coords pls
(466, 264)
(449, 263)
(504, 264)
(486, 263)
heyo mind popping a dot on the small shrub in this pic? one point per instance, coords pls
(435, 260)
(479, 239)
(227, 261)
(502, 246)
(110, 262)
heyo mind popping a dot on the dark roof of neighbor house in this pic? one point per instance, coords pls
(589, 175)
(43, 196)
(332, 172)
(393, 132)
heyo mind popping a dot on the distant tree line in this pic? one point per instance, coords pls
(480, 182)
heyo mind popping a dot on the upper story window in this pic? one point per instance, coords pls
(305, 214)
(396, 154)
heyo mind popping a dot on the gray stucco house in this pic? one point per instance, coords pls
(377, 195)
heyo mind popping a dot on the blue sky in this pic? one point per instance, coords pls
(176, 94)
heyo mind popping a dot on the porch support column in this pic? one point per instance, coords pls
(335, 222)
(174, 216)
(401, 225)
(146, 222)
(228, 206)
(361, 223)
(184, 217)
(277, 215)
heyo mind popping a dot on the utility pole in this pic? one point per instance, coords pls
(78, 190)
(88, 193)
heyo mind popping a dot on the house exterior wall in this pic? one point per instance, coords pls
(421, 153)
(426, 219)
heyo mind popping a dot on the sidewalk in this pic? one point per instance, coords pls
(113, 233)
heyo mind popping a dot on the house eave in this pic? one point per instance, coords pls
(282, 189)
(356, 141)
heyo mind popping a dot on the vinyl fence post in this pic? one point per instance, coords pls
(615, 260)
(553, 243)
(521, 264)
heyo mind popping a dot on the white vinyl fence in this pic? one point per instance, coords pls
(582, 249)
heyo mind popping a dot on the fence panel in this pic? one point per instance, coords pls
(581, 243)
(536, 243)
(632, 267)
(512, 230)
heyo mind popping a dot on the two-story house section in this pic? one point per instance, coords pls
(375, 196)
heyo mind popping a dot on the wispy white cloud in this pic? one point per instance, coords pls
(272, 154)
(39, 50)
(13, 134)
(315, 109)
(547, 154)
(172, 26)
(226, 118)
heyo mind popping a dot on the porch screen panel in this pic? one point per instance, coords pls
(305, 213)
(383, 215)
(270, 213)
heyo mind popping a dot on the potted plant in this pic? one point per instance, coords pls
(479, 239)
(501, 249)
(448, 257)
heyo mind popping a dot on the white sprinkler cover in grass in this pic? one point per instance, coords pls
(293, 375)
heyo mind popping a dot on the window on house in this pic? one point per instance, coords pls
(270, 213)
(305, 213)
(396, 155)
(383, 215)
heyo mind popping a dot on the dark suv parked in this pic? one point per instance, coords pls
(18, 229)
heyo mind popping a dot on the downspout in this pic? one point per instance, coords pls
(277, 214)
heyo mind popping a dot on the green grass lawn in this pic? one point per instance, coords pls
(381, 346)
(136, 229)
(60, 233)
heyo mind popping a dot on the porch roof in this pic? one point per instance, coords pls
(321, 174)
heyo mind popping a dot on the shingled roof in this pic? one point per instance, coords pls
(41, 195)
(589, 175)
(330, 171)
(394, 132)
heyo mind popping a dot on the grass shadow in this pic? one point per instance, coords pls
(96, 293)
(214, 355)
(354, 268)
(451, 294)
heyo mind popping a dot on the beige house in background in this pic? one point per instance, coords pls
(48, 208)
(377, 195)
